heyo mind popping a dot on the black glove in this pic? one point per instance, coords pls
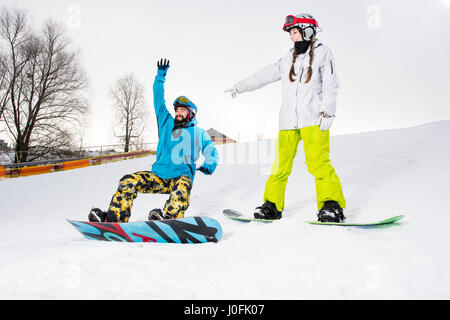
(205, 170)
(163, 64)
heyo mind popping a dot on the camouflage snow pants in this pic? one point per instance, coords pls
(147, 182)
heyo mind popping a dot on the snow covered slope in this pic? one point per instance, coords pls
(385, 173)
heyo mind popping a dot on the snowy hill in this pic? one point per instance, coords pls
(385, 173)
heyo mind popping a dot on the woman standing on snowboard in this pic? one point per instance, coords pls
(309, 91)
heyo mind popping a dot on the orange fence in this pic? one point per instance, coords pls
(69, 165)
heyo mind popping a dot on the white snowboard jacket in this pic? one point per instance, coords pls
(302, 102)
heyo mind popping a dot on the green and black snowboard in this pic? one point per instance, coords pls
(236, 215)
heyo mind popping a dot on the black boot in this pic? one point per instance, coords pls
(268, 211)
(331, 212)
(97, 215)
(156, 214)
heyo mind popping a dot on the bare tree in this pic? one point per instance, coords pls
(41, 96)
(4, 96)
(13, 31)
(131, 113)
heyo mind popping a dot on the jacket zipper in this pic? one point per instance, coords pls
(296, 95)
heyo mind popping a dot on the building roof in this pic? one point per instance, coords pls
(215, 134)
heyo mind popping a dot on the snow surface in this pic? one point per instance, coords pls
(384, 173)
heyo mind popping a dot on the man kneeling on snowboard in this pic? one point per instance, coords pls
(179, 146)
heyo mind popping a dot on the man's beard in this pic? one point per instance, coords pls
(180, 121)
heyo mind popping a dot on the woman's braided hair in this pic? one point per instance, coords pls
(292, 73)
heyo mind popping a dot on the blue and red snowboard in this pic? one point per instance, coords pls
(184, 230)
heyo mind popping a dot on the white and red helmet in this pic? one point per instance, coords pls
(304, 22)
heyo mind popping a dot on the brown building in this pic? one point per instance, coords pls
(218, 137)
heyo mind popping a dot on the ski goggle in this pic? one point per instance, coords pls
(293, 21)
(182, 100)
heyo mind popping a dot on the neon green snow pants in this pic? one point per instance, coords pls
(316, 144)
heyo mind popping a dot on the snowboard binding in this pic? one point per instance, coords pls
(331, 212)
(97, 215)
(156, 214)
(268, 211)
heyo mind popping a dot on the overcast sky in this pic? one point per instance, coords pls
(392, 57)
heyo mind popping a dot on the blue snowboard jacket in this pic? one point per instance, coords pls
(179, 149)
